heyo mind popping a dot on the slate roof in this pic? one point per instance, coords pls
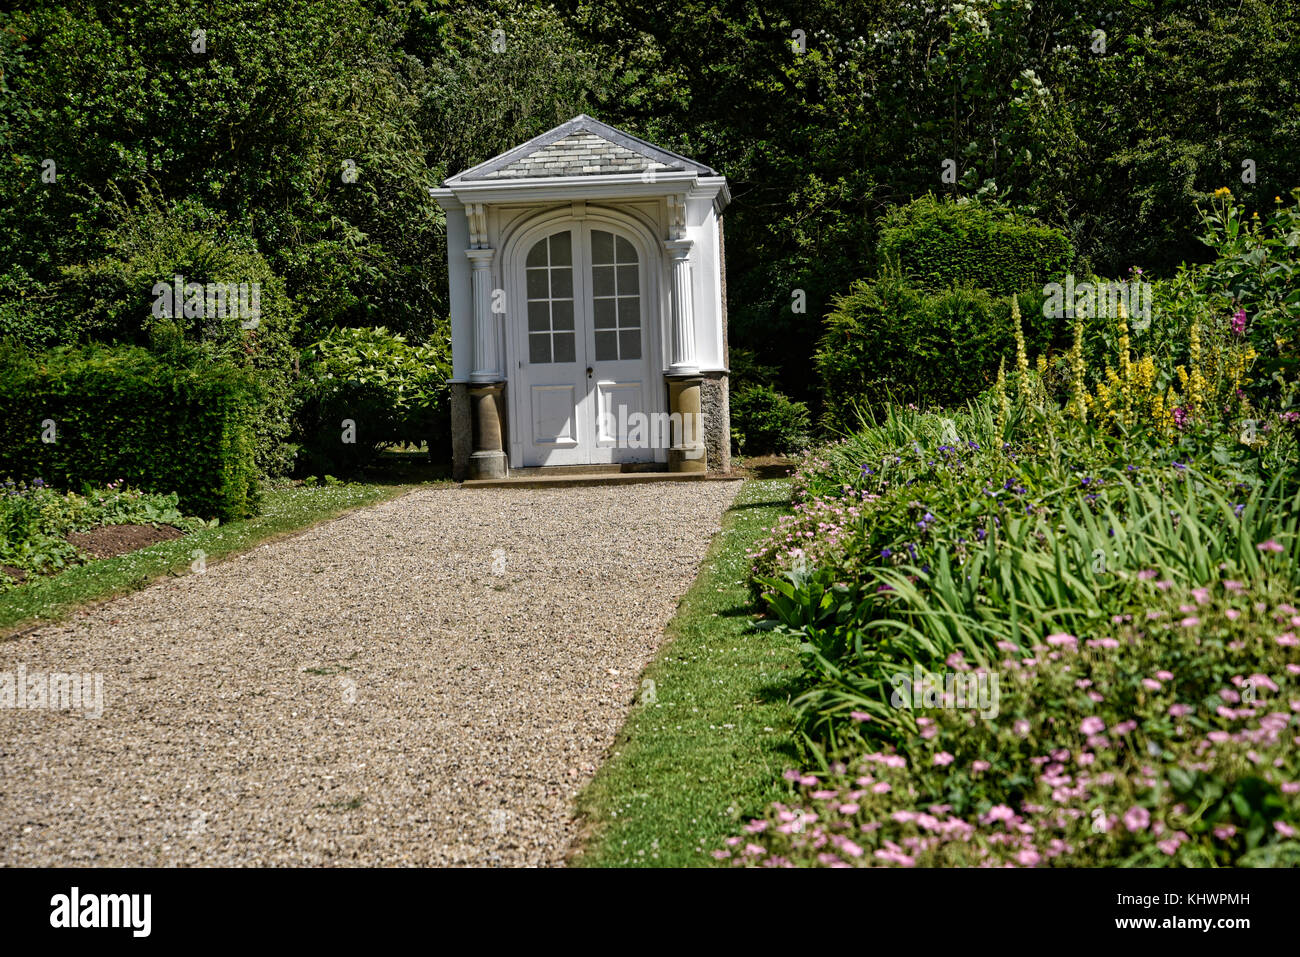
(581, 147)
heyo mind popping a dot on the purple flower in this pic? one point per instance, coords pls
(1239, 322)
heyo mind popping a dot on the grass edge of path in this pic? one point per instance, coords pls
(712, 730)
(285, 512)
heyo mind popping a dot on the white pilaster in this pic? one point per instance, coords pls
(683, 361)
(487, 362)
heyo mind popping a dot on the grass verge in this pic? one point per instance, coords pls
(706, 743)
(284, 511)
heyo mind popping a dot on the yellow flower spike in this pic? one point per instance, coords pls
(1022, 357)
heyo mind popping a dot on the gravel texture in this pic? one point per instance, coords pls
(429, 681)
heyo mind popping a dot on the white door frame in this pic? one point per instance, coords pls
(515, 250)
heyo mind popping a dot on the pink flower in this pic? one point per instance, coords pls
(1165, 675)
(1286, 830)
(980, 765)
(1021, 727)
(859, 716)
(1287, 640)
(1062, 640)
(1092, 725)
(1137, 818)
(999, 812)
(1224, 832)
(1191, 621)
(1178, 710)
(851, 849)
(1170, 845)
(1151, 684)
(1270, 546)
(942, 759)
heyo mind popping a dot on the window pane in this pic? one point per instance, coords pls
(630, 344)
(562, 283)
(604, 315)
(627, 281)
(562, 314)
(537, 286)
(537, 255)
(602, 280)
(564, 345)
(629, 312)
(626, 251)
(561, 249)
(606, 346)
(539, 347)
(539, 317)
(602, 246)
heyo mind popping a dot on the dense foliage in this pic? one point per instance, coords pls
(765, 421)
(313, 132)
(367, 389)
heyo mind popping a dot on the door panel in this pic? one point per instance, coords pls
(554, 419)
(584, 376)
(552, 370)
(618, 360)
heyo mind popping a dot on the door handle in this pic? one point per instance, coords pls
(589, 371)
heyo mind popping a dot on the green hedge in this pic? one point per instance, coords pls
(888, 340)
(123, 413)
(940, 243)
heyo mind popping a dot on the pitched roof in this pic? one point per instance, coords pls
(581, 147)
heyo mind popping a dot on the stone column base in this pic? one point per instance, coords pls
(488, 460)
(687, 453)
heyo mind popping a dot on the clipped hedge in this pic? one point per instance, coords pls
(123, 413)
(940, 243)
(888, 340)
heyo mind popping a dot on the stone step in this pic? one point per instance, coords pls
(586, 475)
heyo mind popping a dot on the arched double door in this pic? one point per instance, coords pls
(584, 347)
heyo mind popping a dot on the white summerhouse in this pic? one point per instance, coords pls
(588, 306)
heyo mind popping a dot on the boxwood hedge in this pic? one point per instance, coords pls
(96, 414)
(937, 243)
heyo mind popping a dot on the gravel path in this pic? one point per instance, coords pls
(428, 681)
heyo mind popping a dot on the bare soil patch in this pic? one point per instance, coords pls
(108, 541)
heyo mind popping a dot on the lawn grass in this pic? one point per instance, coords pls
(690, 765)
(284, 510)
